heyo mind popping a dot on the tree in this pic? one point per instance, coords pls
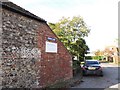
(72, 32)
(99, 54)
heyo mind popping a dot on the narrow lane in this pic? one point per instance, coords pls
(109, 79)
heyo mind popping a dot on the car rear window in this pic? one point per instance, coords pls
(92, 62)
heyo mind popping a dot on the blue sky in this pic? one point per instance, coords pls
(100, 15)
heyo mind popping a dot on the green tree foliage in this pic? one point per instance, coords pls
(99, 54)
(88, 57)
(72, 32)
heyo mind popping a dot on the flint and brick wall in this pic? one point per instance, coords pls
(20, 51)
(24, 60)
(0, 46)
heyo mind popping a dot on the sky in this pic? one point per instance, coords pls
(101, 16)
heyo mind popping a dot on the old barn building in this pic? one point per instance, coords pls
(32, 55)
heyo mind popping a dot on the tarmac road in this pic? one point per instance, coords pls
(110, 78)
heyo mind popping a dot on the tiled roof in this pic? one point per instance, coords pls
(15, 8)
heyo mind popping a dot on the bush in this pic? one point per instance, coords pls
(76, 63)
(88, 57)
(98, 57)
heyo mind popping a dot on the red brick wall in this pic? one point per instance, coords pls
(53, 66)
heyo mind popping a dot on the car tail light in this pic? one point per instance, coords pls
(100, 68)
(84, 68)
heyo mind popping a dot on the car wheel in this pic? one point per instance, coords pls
(84, 73)
(101, 75)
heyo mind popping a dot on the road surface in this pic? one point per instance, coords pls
(110, 78)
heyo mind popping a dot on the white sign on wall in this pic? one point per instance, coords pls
(51, 47)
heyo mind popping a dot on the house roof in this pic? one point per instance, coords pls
(15, 8)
